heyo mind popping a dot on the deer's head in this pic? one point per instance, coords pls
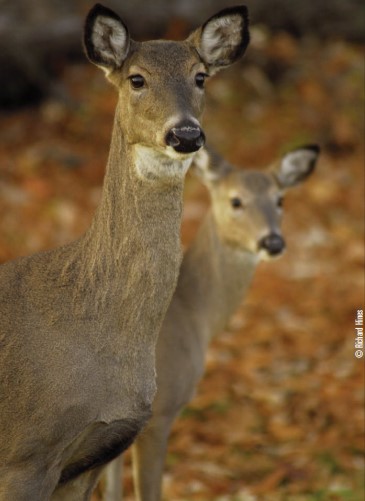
(161, 83)
(248, 204)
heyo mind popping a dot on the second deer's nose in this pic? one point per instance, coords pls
(274, 244)
(185, 137)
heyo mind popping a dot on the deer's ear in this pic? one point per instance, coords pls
(209, 166)
(106, 38)
(296, 166)
(223, 39)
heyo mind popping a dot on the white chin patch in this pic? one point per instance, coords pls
(161, 165)
(263, 255)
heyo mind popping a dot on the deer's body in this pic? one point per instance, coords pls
(83, 300)
(79, 324)
(215, 275)
(213, 281)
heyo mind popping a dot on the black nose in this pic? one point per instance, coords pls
(186, 137)
(274, 244)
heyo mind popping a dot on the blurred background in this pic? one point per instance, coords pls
(280, 412)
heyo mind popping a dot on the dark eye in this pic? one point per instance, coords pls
(200, 80)
(236, 203)
(137, 81)
(280, 201)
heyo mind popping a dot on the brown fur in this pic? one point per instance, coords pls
(78, 324)
(215, 276)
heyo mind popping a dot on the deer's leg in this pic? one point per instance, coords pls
(112, 480)
(149, 451)
(78, 489)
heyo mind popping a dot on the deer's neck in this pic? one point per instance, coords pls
(131, 254)
(214, 279)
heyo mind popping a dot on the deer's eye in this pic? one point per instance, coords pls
(236, 203)
(280, 201)
(200, 80)
(137, 81)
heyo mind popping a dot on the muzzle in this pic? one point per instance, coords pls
(185, 137)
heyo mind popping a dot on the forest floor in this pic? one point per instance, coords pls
(279, 414)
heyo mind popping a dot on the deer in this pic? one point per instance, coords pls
(242, 228)
(79, 323)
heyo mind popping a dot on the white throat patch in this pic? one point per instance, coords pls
(154, 165)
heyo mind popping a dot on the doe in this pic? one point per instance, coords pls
(79, 324)
(241, 228)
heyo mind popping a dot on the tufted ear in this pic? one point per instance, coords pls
(296, 166)
(209, 166)
(106, 38)
(223, 39)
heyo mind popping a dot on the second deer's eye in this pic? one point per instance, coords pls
(236, 203)
(280, 201)
(137, 81)
(200, 80)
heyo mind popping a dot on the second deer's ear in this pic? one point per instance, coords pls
(223, 39)
(296, 166)
(209, 166)
(106, 38)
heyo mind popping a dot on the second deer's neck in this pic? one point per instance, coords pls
(214, 279)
